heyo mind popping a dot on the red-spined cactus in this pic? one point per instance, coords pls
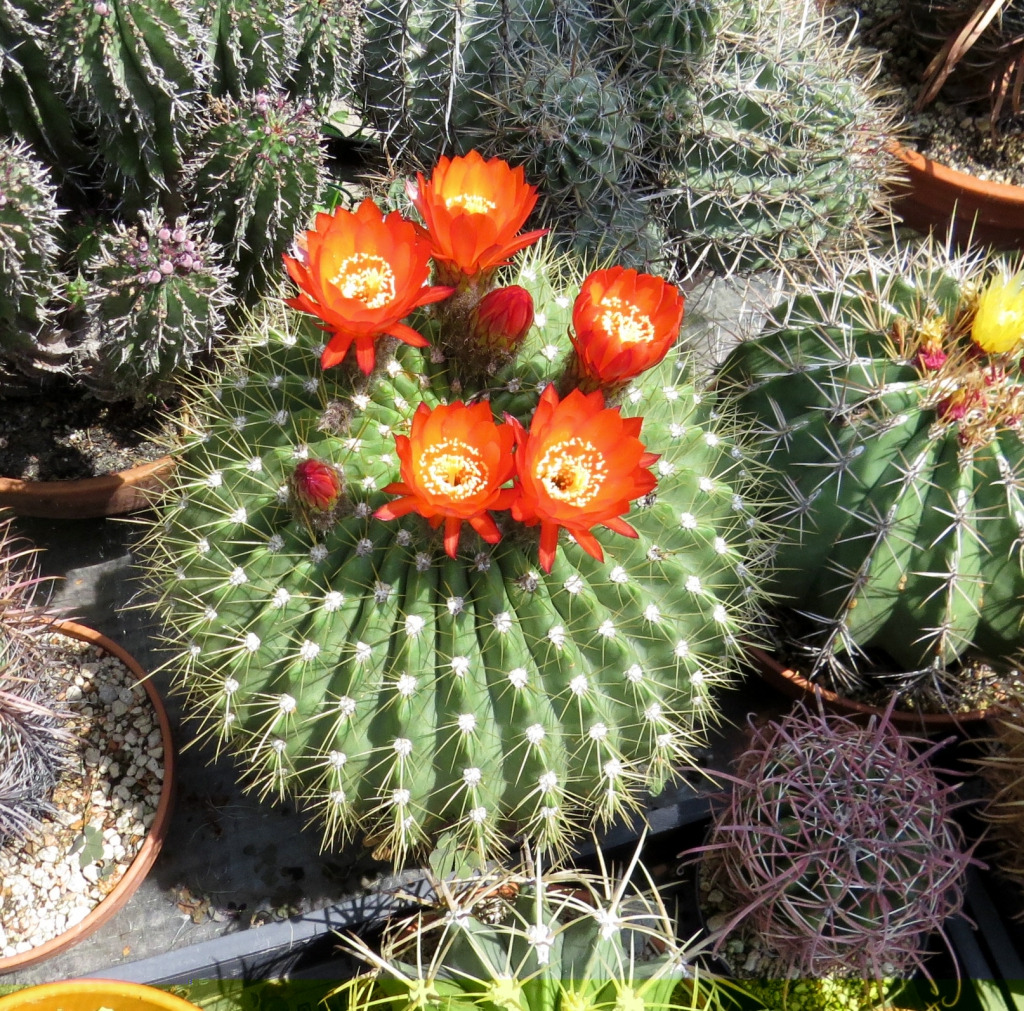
(837, 845)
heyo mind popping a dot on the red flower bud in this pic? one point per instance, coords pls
(931, 357)
(503, 317)
(960, 403)
(316, 485)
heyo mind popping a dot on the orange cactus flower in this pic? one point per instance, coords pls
(473, 210)
(625, 323)
(580, 465)
(362, 273)
(453, 466)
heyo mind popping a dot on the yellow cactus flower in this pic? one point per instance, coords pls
(999, 323)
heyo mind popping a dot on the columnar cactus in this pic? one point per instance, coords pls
(889, 399)
(250, 45)
(546, 941)
(257, 173)
(837, 846)
(29, 256)
(155, 300)
(399, 689)
(133, 71)
(327, 35)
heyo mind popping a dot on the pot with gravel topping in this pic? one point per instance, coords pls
(96, 837)
(93, 995)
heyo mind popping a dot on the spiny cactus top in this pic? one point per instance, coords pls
(566, 941)
(837, 846)
(889, 398)
(493, 677)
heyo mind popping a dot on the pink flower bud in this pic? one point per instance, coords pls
(316, 485)
(503, 317)
(154, 277)
(179, 235)
(166, 267)
(164, 235)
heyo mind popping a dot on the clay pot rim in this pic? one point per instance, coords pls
(86, 497)
(984, 188)
(151, 845)
(30, 997)
(795, 685)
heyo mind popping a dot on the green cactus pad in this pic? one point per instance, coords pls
(399, 692)
(905, 524)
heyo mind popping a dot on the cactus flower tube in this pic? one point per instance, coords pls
(453, 467)
(625, 323)
(999, 323)
(580, 465)
(474, 210)
(362, 273)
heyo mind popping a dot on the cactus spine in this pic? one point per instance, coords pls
(399, 692)
(837, 846)
(896, 445)
(156, 299)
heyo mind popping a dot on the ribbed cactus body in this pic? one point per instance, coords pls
(250, 45)
(257, 174)
(324, 32)
(29, 230)
(616, 227)
(155, 300)
(134, 71)
(399, 692)
(906, 516)
(557, 942)
(782, 153)
(662, 36)
(30, 106)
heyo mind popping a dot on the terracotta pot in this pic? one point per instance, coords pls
(112, 495)
(91, 994)
(139, 867)
(934, 196)
(792, 684)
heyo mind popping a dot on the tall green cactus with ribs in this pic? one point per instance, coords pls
(397, 690)
(888, 397)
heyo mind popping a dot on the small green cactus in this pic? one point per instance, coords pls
(250, 43)
(327, 38)
(783, 151)
(29, 254)
(155, 301)
(662, 37)
(554, 941)
(132, 69)
(257, 172)
(895, 443)
(399, 692)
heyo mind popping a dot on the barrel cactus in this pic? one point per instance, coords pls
(257, 173)
(29, 254)
(399, 681)
(837, 846)
(889, 399)
(155, 301)
(557, 941)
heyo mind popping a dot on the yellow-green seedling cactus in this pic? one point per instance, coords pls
(566, 941)
(411, 665)
(887, 392)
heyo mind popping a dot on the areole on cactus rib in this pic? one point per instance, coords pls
(399, 692)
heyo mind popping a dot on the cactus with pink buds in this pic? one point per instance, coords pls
(837, 846)
(155, 301)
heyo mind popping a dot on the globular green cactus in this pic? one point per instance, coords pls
(133, 70)
(326, 38)
(783, 153)
(399, 692)
(250, 45)
(257, 172)
(662, 37)
(894, 438)
(29, 255)
(30, 105)
(615, 227)
(825, 993)
(565, 941)
(155, 301)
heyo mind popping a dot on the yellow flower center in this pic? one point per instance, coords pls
(626, 323)
(572, 471)
(366, 278)
(471, 202)
(453, 469)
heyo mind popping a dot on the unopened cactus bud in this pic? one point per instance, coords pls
(999, 322)
(316, 485)
(503, 317)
